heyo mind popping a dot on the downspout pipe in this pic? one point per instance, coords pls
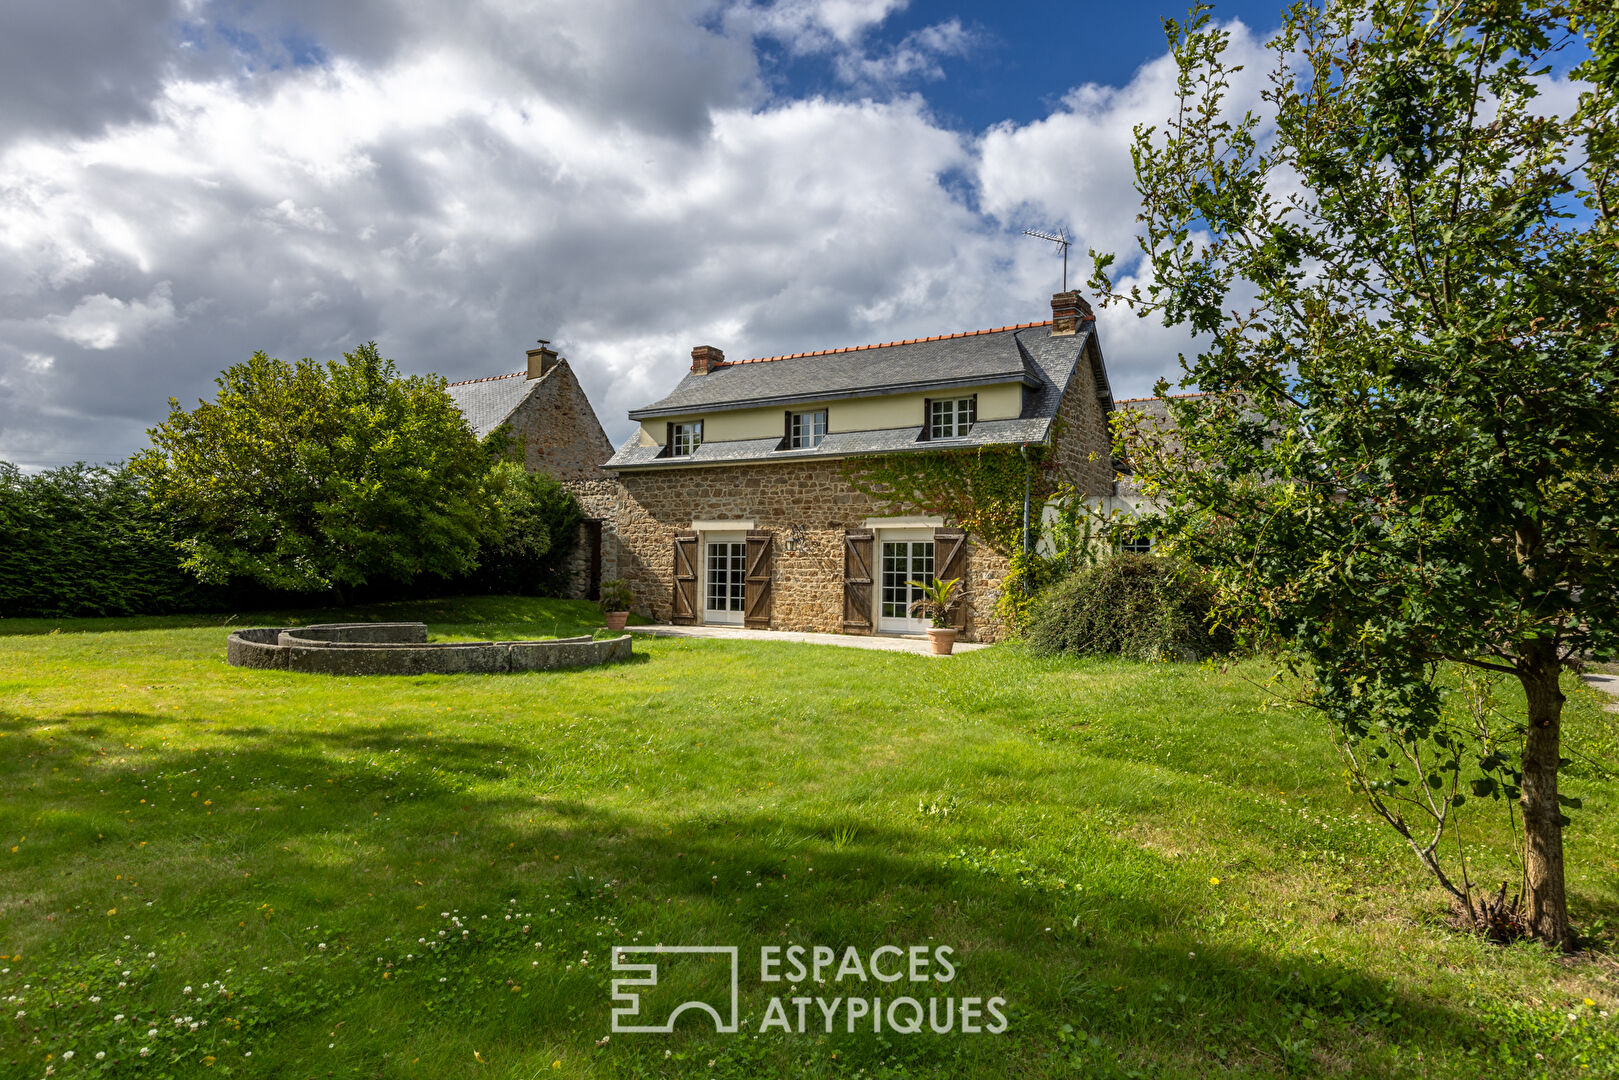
(1024, 452)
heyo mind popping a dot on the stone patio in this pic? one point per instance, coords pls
(881, 642)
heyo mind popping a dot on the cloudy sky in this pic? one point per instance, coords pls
(185, 181)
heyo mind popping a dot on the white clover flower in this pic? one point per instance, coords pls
(187, 990)
(100, 1054)
(95, 1000)
(118, 1019)
(67, 1055)
(145, 1050)
(152, 1034)
(321, 946)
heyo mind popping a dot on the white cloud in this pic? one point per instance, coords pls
(105, 322)
(812, 25)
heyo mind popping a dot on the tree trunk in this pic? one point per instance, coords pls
(1547, 913)
(343, 603)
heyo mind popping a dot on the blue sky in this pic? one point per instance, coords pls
(1025, 55)
(627, 178)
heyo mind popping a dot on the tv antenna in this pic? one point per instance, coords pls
(1062, 241)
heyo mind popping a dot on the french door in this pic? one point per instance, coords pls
(725, 572)
(905, 557)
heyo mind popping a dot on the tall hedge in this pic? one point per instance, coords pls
(1140, 606)
(82, 540)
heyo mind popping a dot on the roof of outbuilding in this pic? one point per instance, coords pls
(975, 357)
(1028, 353)
(487, 402)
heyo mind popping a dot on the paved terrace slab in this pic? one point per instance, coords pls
(881, 642)
(1606, 683)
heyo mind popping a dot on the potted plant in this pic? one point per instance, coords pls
(615, 603)
(937, 598)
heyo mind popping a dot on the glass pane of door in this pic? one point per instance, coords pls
(903, 561)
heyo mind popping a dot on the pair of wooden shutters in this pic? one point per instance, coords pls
(688, 586)
(859, 582)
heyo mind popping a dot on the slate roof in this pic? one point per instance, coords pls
(1027, 353)
(487, 402)
(973, 358)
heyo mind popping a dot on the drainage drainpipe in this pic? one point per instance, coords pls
(1024, 451)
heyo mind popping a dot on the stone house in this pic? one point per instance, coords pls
(732, 507)
(545, 410)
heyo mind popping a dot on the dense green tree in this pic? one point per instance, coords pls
(1405, 266)
(313, 476)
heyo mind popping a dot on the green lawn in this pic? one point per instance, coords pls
(296, 876)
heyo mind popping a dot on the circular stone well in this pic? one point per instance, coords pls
(403, 649)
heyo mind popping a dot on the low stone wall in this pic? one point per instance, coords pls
(403, 649)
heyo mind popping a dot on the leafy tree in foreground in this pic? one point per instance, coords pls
(1408, 450)
(314, 476)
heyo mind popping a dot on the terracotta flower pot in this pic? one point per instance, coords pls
(942, 639)
(615, 619)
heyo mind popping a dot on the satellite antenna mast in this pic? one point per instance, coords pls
(1062, 241)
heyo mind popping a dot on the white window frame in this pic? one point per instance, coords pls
(909, 624)
(798, 438)
(685, 438)
(727, 616)
(1137, 544)
(952, 418)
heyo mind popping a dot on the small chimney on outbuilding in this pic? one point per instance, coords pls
(541, 360)
(705, 358)
(1068, 311)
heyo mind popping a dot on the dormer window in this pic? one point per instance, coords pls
(951, 418)
(684, 439)
(805, 430)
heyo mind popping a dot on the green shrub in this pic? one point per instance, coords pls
(82, 540)
(539, 530)
(1140, 606)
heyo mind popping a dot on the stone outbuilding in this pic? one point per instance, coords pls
(545, 411)
(732, 507)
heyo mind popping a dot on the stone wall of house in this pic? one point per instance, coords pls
(1083, 449)
(560, 435)
(807, 585)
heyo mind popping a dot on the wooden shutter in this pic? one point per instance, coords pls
(857, 580)
(787, 431)
(950, 561)
(756, 587)
(684, 608)
(927, 418)
(669, 439)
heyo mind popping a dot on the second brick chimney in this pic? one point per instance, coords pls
(705, 358)
(1068, 311)
(541, 360)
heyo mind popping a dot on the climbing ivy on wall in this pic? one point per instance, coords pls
(980, 488)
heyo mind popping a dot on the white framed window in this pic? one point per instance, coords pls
(725, 562)
(950, 418)
(1137, 544)
(806, 430)
(684, 439)
(905, 555)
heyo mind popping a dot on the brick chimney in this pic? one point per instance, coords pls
(1068, 311)
(705, 358)
(541, 360)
